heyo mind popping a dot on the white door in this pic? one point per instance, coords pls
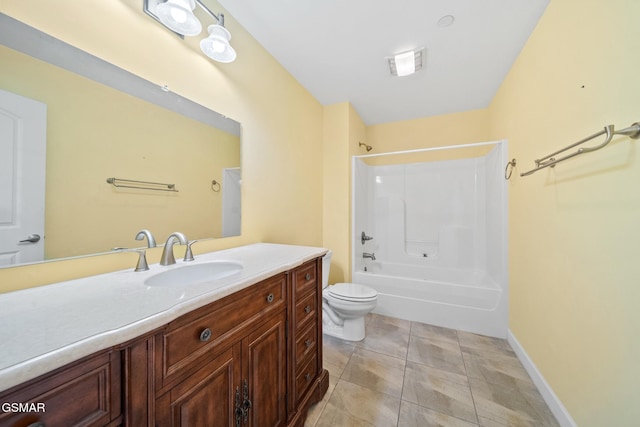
(231, 202)
(23, 135)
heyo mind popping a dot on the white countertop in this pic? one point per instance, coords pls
(47, 327)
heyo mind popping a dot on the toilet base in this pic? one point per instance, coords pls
(351, 330)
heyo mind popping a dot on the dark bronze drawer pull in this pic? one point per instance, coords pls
(270, 298)
(308, 343)
(205, 335)
(307, 376)
(37, 424)
(307, 309)
(307, 276)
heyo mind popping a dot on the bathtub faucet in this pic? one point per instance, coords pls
(369, 255)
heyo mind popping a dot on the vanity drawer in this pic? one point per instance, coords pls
(305, 377)
(85, 393)
(209, 329)
(305, 277)
(305, 310)
(306, 343)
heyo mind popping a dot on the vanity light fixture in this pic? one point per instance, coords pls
(179, 17)
(406, 63)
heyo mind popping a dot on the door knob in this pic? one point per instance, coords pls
(31, 238)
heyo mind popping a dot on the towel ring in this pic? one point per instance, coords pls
(512, 163)
(215, 186)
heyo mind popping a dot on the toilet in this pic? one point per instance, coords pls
(344, 306)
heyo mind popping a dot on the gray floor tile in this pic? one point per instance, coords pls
(412, 415)
(509, 407)
(411, 374)
(376, 371)
(392, 341)
(439, 390)
(353, 405)
(438, 352)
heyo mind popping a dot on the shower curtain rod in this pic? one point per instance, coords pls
(422, 150)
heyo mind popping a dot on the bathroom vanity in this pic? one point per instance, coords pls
(243, 350)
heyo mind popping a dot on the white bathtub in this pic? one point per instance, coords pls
(467, 300)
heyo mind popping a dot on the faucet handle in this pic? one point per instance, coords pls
(188, 255)
(142, 258)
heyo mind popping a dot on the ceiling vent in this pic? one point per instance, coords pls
(406, 63)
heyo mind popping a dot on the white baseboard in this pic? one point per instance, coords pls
(555, 405)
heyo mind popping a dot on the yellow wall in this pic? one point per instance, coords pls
(574, 231)
(281, 122)
(436, 131)
(447, 129)
(343, 130)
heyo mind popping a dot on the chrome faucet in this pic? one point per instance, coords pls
(167, 257)
(151, 242)
(369, 255)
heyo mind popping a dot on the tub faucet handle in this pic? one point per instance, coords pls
(364, 237)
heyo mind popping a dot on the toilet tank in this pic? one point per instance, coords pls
(326, 265)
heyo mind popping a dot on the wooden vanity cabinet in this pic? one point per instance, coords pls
(250, 359)
(84, 393)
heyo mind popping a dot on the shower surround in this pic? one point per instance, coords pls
(439, 233)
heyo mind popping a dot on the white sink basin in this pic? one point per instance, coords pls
(192, 274)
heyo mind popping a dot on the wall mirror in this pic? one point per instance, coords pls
(103, 122)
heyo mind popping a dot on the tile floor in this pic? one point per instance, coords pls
(409, 374)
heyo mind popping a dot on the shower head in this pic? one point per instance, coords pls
(368, 147)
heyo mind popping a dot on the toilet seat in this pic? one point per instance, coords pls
(352, 292)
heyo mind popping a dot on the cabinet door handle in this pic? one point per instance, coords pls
(270, 298)
(307, 309)
(307, 376)
(307, 276)
(246, 404)
(205, 335)
(308, 343)
(37, 424)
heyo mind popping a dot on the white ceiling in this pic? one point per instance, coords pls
(337, 49)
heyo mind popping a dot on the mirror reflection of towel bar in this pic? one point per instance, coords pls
(549, 160)
(141, 185)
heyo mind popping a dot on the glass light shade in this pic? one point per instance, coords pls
(405, 63)
(178, 16)
(217, 46)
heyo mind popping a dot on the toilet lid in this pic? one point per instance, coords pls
(352, 291)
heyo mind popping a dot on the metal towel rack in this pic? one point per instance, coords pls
(142, 185)
(549, 160)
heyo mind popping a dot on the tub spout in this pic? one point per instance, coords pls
(371, 255)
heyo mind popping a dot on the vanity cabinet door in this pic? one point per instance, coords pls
(207, 398)
(266, 357)
(85, 393)
(244, 386)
